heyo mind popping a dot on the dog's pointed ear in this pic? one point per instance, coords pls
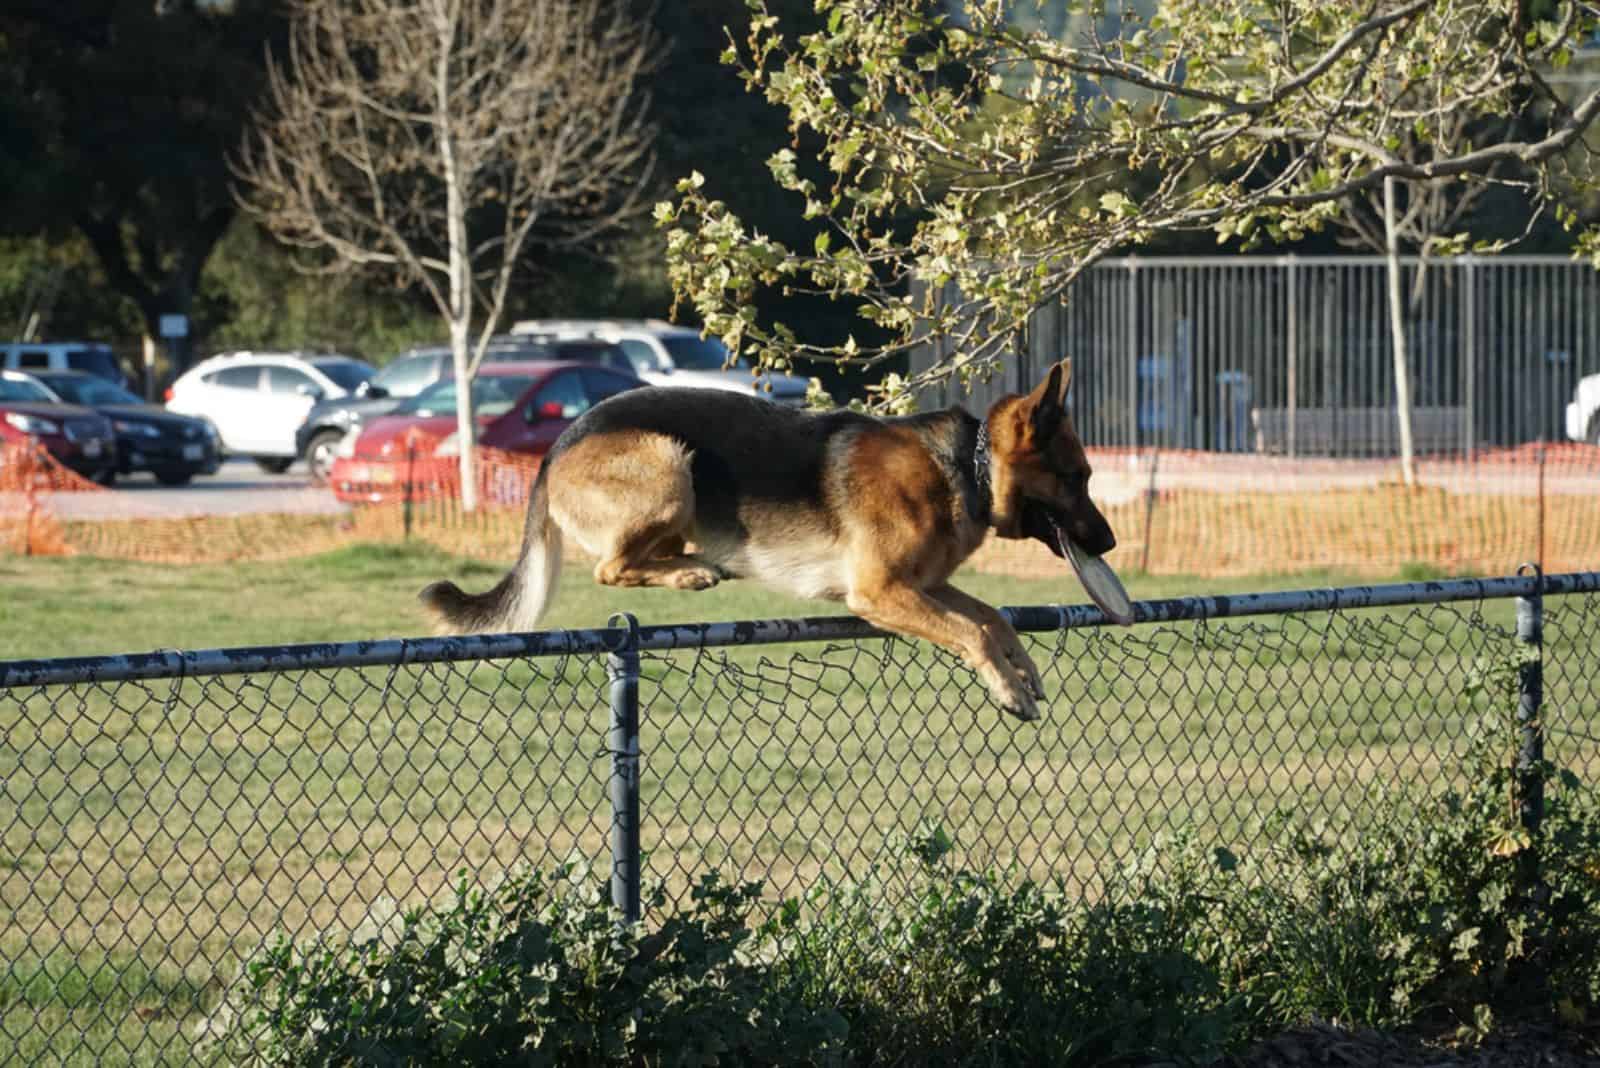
(1065, 367)
(1048, 400)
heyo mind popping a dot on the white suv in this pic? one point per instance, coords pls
(667, 355)
(1583, 414)
(257, 400)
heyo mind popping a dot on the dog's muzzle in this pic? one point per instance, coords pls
(1083, 524)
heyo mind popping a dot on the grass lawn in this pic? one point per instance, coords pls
(81, 606)
(151, 835)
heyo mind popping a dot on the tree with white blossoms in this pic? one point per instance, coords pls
(976, 157)
(435, 140)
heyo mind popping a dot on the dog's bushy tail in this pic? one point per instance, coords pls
(517, 601)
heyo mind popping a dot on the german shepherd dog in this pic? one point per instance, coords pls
(687, 487)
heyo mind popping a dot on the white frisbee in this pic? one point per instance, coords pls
(1099, 581)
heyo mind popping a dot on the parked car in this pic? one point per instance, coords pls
(409, 373)
(521, 407)
(664, 354)
(1583, 414)
(90, 356)
(258, 400)
(78, 438)
(174, 448)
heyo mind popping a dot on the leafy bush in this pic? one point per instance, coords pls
(981, 968)
(533, 971)
(1455, 913)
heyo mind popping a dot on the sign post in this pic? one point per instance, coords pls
(175, 332)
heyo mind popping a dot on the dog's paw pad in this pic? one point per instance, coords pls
(1027, 677)
(1019, 704)
(1027, 713)
(695, 578)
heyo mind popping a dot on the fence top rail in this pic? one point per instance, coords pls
(179, 664)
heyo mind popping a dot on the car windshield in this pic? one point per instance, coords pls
(492, 395)
(94, 361)
(90, 391)
(347, 374)
(516, 353)
(586, 351)
(690, 353)
(20, 390)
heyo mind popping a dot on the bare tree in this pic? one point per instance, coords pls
(1426, 215)
(437, 140)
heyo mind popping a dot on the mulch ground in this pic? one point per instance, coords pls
(1333, 1046)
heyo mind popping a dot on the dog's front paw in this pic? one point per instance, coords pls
(1012, 695)
(1027, 672)
(1022, 705)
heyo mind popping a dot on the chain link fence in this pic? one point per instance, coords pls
(165, 815)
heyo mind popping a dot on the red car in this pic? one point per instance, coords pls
(78, 438)
(521, 408)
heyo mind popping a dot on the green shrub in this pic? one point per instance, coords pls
(982, 968)
(533, 971)
(1453, 912)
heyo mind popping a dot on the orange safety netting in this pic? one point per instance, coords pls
(1184, 512)
(1174, 512)
(30, 480)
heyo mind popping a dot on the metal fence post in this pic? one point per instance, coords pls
(1132, 327)
(1292, 355)
(1530, 697)
(1469, 345)
(410, 484)
(1149, 513)
(623, 668)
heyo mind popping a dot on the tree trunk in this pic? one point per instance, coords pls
(460, 345)
(1397, 330)
(459, 262)
(466, 428)
(147, 367)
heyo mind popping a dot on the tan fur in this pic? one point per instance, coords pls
(628, 500)
(883, 530)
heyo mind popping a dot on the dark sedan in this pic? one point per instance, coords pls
(174, 448)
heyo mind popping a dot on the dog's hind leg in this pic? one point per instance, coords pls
(653, 556)
(628, 498)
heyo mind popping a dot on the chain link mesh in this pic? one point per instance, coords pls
(156, 833)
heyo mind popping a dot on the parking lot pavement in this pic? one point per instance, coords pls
(238, 488)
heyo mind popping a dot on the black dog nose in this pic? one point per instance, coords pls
(1095, 535)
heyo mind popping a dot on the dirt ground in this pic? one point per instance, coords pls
(1333, 1046)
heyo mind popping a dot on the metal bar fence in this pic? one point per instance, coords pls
(163, 815)
(1291, 355)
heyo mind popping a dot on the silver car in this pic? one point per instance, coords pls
(664, 354)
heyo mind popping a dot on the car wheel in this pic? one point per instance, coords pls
(174, 478)
(274, 465)
(320, 454)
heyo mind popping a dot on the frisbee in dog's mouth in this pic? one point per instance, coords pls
(1094, 574)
